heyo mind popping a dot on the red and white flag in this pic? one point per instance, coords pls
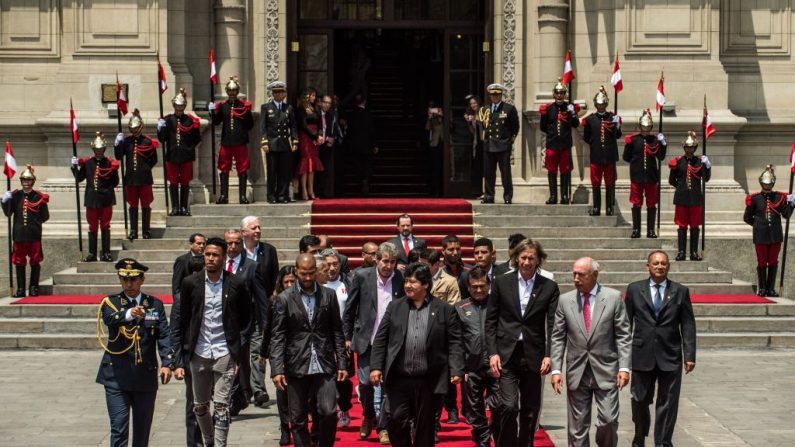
(660, 93)
(73, 123)
(213, 72)
(121, 98)
(792, 159)
(161, 77)
(706, 123)
(10, 166)
(568, 71)
(615, 79)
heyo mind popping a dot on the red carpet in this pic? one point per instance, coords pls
(352, 222)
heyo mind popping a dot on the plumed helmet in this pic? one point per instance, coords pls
(691, 140)
(646, 120)
(768, 176)
(28, 174)
(559, 87)
(181, 99)
(98, 142)
(135, 120)
(601, 97)
(233, 83)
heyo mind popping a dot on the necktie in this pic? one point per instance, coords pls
(657, 300)
(494, 108)
(586, 312)
(230, 266)
(279, 106)
(406, 245)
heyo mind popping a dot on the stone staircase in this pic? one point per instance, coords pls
(566, 233)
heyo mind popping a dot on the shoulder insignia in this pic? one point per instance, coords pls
(576, 108)
(583, 122)
(124, 301)
(748, 199)
(543, 108)
(673, 162)
(196, 121)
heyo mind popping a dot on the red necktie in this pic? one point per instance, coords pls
(586, 312)
(406, 245)
(230, 266)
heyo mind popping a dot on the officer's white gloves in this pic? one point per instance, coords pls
(790, 199)
(661, 139)
(570, 108)
(705, 160)
(161, 123)
(211, 107)
(6, 196)
(119, 139)
(74, 161)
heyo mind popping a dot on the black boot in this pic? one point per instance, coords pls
(146, 221)
(681, 236)
(224, 197)
(694, 244)
(243, 179)
(635, 222)
(106, 257)
(553, 189)
(92, 248)
(33, 289)
(133, 224)
(610, 199)
(20, 293)
(761, 281)
(771, 280)
(565, 185)
(173, 195)
(184, 200)
(597, 202)
(285, 437)
(651, 218)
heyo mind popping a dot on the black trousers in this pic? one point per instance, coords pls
(279, 174)
(345, 388)
(193, 434)
(411, 399)
(669, 384)
(502, 160)
(476, 170)
(282, 407)
(519, 395)
(242, 392)
(120, 403)
(435, 173)
(480, 390)
(322, 389)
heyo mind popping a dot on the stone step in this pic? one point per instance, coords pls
(745, 324)
(543, 221)
(48, 325)
(734, 288)
(254, 209)
(49, 341)
(521, 209)
(225, 222)
(85, 288)
(744, 340)
(48, 311)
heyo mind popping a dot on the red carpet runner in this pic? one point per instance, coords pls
(352, 222)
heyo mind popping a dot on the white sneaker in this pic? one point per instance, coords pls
(345, 419)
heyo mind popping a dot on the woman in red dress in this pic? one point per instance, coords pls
(309, 142)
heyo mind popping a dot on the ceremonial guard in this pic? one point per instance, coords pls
(688, 175)
(140, 156)
(643, 151)
(501, 122)
(180, 133)
(602, 129)
(102, 176)
(279, 137)
(137, 332)
(236, 121)
(29, 208)
(764, 210)
(557, 120)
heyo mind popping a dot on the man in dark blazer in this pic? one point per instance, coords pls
(361, 140)
(519, 319)
(417, 353)
(279, 140)
(331, 134)
(215, 311)
(307, 353)
(405, 239)
(372, 289)
(507, 266)
(663, 343)
(501, 121)
(181, 268)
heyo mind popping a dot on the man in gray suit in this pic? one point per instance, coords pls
(592, 329)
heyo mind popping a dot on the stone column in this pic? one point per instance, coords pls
(553, 23)
(230, 43)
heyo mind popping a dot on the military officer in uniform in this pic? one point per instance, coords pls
(643, 151)
(279, 137)
(557, 120)
(601, 130)
(236, 121)
(764, 210)
(29, 208)
(688, 175)
(138, 332)
(102, 176)
(180, 133)
(501, 122)
(140, 156)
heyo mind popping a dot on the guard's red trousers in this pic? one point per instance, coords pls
(638, 190)
(23, 250)
(179, 173)
(99, 218)
(239, 153)
(687, 216)
(767, 254)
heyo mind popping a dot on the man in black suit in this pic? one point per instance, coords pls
(325, 243)
(308, 353)
(331, 135)
(372, 289)
(279, 141)
(484, 254)
(181, 268)
(501, 122)
(507, 266)
(215, 310)
(451, 250)
(519, 318)
(405, 241)
(361, 140)
(418, 353)
(664, 337)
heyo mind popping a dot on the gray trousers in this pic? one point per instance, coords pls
(257, 369)
(367, 392)
(213, 380)
(579, 406)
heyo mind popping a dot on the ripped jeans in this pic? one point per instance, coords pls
(212, 383)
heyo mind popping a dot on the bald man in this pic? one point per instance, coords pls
(307, 324)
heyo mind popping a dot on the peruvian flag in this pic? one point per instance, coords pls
(213, 72)
(792, 159)
(161, 77)
(121, 98)
(706, 123)
(568, 71)
(660, 92)
(616, 78)
(73, 123)
(10, 166)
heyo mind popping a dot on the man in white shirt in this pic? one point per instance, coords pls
(339, 284)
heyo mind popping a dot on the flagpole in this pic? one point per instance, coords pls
(659, 169)
(212, 125)
(10, 249)
(77, 187)
(165, 143)
(123, 170)
(704, 182)
(786, 232)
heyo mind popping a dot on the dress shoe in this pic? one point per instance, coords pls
(508, 201)
(237, 407)
(285, 438)
(635, 233)
(222, 200)
(452, 417)
(271, 200)
(261, 398)
(383, 437)
(485, 200)
(345, 419)
(106, 257)
(366, 428)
